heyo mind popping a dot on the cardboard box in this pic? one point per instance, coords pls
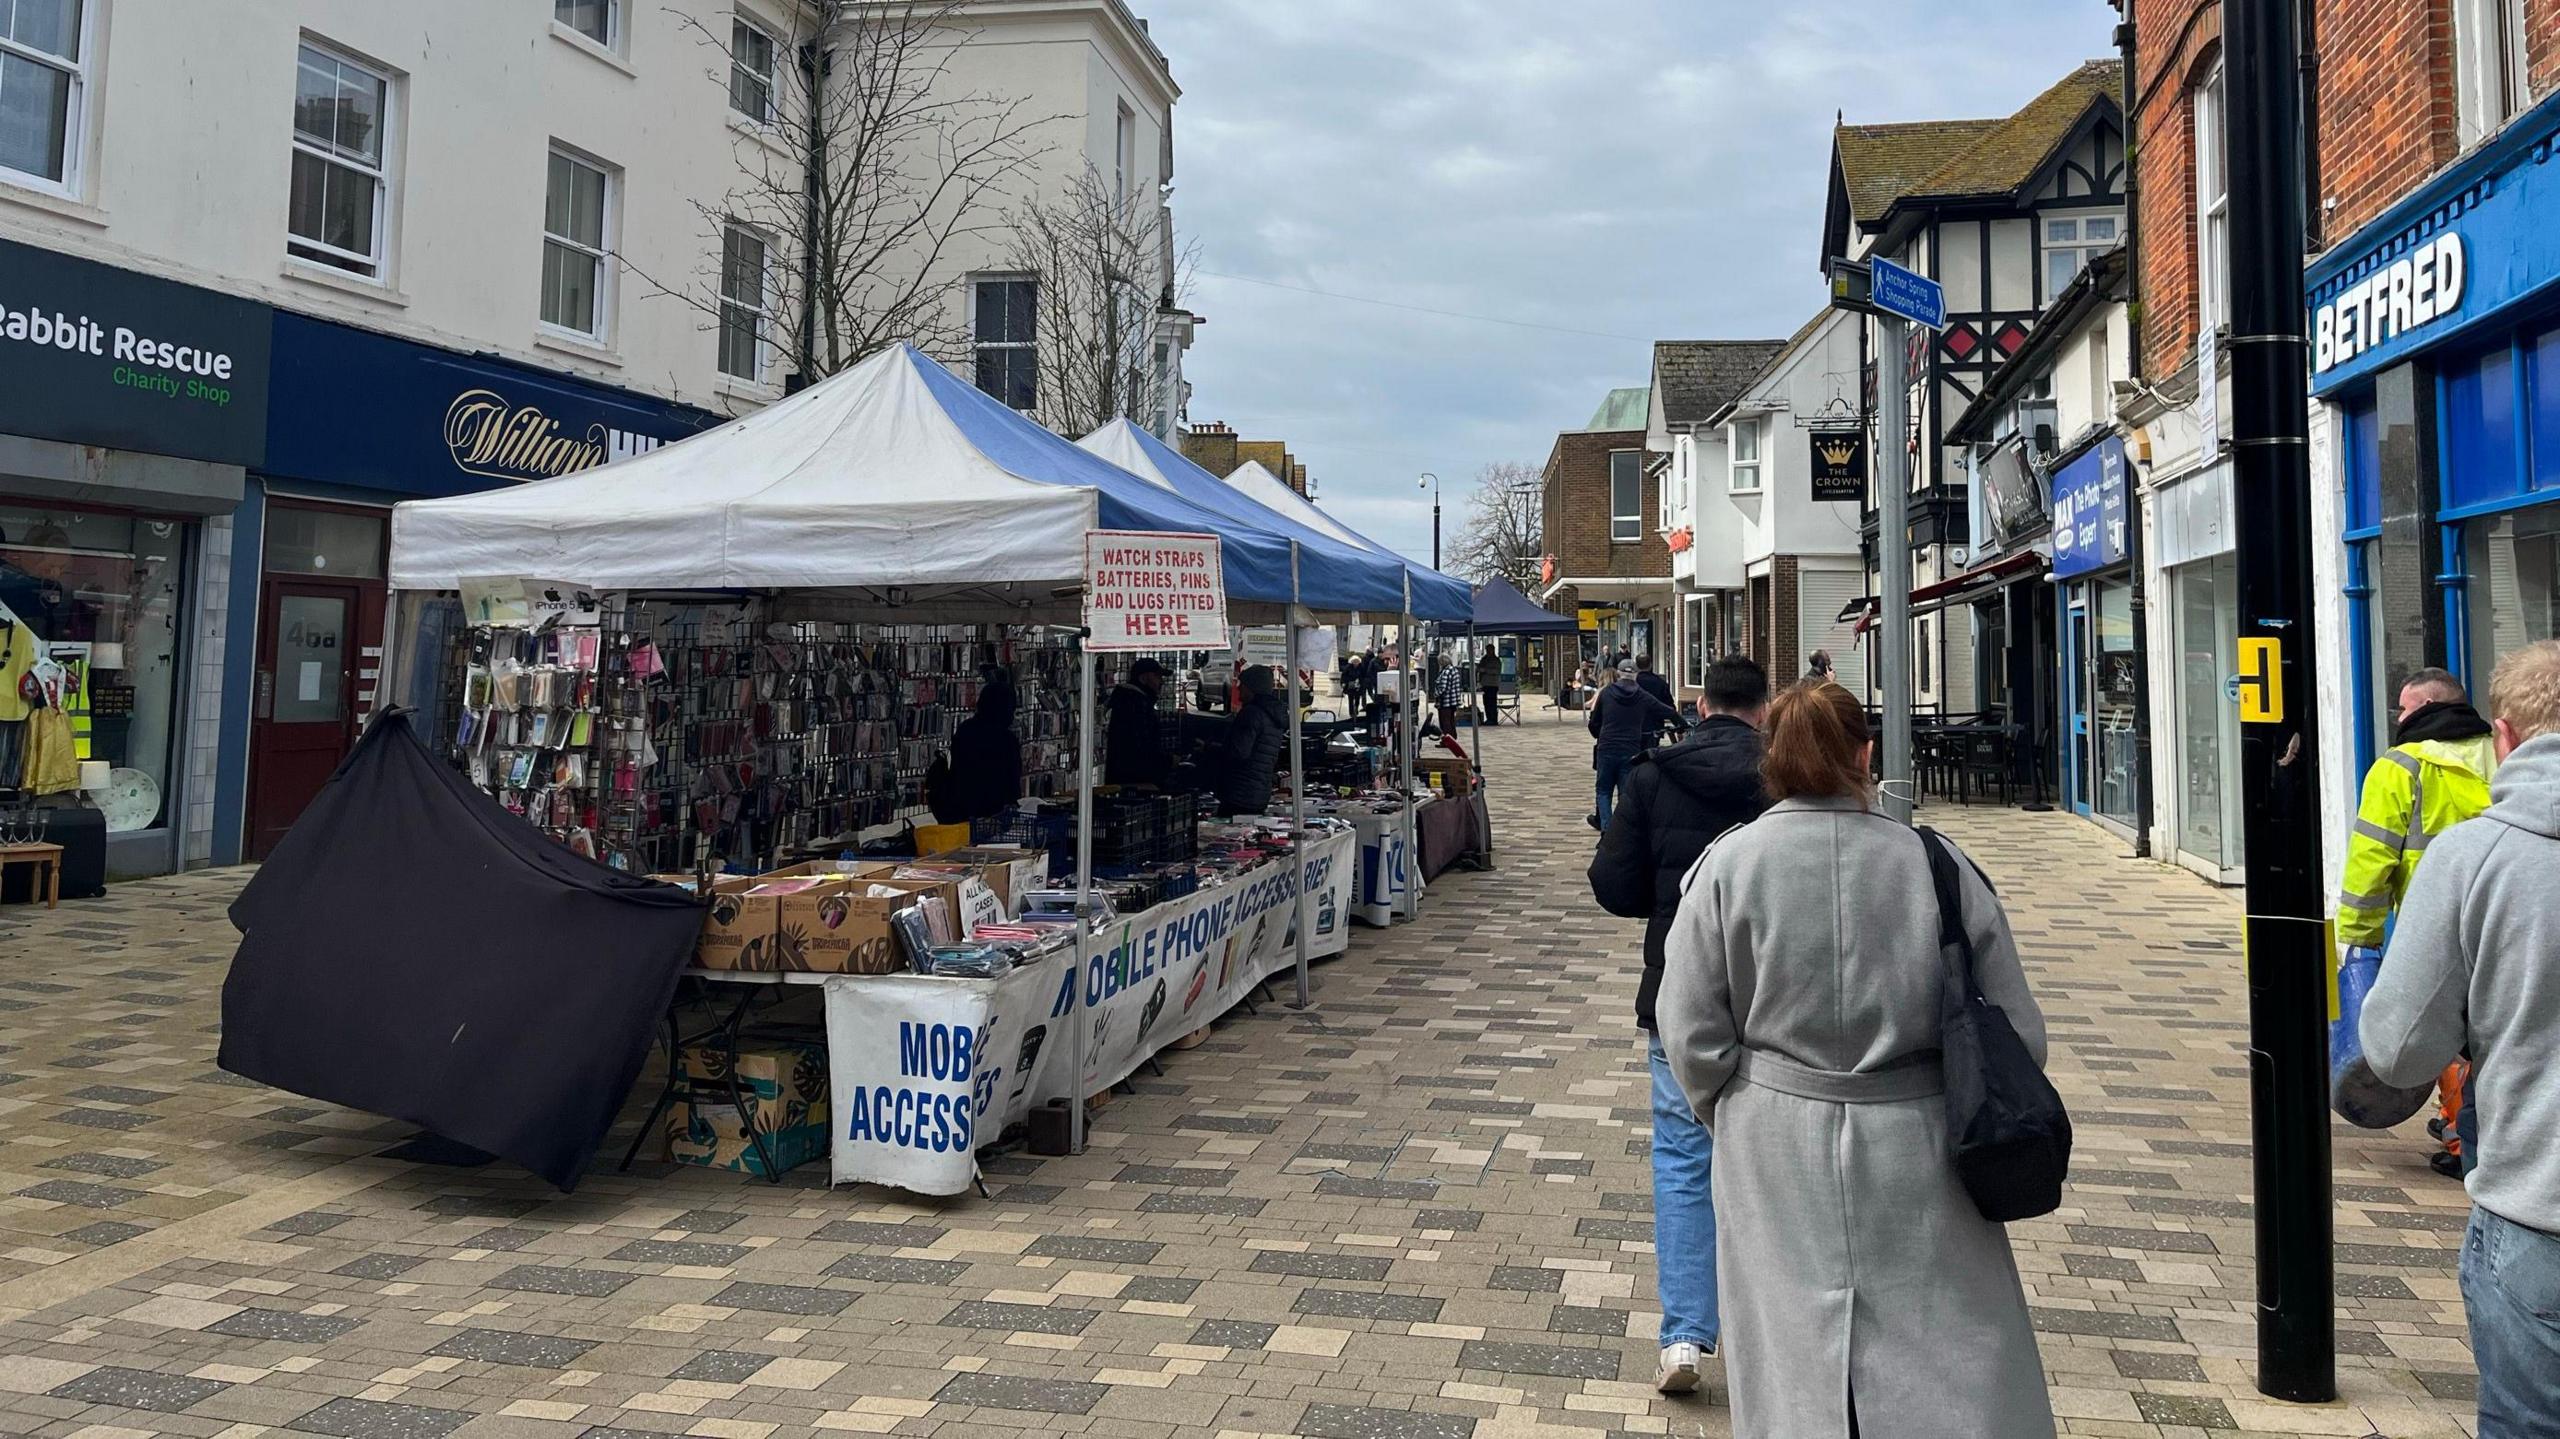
(1010, 872)
(785, 1086)
(834, 926)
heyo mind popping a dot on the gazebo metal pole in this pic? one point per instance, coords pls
(1408, 720)
(1084, 896)
(1297, 783)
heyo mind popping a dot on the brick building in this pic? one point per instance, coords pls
(1606, 560)
(2431, 253)
(1217, 448)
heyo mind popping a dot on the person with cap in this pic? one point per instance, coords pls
(1134, 751)
(1623, 721)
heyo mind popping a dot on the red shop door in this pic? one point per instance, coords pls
(304, 719)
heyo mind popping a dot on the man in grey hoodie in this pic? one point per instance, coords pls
(2474, 966)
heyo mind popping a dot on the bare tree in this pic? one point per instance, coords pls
(870, 171)
(1102, 262)
(1503, 531)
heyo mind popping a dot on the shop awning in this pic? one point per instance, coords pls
(1980, 580)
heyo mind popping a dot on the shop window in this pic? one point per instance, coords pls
(598, 20)
(1746, 457)
(2113, 717)
(751, 77)
(1626, 496)
(577, 206)
(2479, 427)
(2512, 561)
(2071, 242)
(341, 185)
(96, 594)
(341, 544)
(2490, 83)
(1007, 338)
(2213, 205)
(745, 302)
(44, 75)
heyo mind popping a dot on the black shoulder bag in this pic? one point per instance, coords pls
(2006, 1126)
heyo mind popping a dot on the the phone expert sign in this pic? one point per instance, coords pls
(1149, 591)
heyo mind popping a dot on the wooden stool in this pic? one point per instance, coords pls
(48, 879)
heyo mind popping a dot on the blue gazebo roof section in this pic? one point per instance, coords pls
(1501, 609)
(1436, 597)
(1332, 574)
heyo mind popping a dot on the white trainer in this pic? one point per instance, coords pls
(1679, 1369)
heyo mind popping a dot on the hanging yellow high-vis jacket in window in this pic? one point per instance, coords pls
(2414, 792)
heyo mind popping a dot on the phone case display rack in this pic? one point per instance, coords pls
(709, 740)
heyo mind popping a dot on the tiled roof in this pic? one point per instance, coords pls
(1883, 163)
(1956, 159)
(1699, 377)
(1623, 410)
(2007, 157)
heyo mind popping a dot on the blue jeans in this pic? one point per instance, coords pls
(1684, 1213)
(1611, 769)
(2511, 1291)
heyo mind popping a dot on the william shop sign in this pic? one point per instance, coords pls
(94, 355)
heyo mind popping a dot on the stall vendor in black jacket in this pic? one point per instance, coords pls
(1133, 748)
(1253, 746)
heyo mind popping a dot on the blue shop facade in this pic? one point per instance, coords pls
(359, 421)
(2436, 358)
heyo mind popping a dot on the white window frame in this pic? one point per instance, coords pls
(1124, 151)
(2491, 84)
(75, 118)
(2213, 207)
(1626, 527)
(1746, 469)
(978, 345)
(771, 78)
(380, 259)
(2083, 250)
(609, 235)
(762, 311)
(613, 25)
(2102, 399)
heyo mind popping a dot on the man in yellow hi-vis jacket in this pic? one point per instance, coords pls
(2434, 776)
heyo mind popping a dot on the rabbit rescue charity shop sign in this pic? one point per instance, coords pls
(1149, 591)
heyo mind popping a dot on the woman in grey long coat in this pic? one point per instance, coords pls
(1799, 1008)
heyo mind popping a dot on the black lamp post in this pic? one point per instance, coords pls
(1431, 482)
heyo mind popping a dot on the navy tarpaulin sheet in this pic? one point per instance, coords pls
(414, 950)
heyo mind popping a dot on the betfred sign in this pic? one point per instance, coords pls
(1147, 590)
(94, 355)
(2407, 295)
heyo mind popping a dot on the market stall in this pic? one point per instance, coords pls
(756, 602)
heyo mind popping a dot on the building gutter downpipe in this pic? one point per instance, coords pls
(2135, 550)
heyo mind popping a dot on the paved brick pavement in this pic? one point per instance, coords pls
(1418, 1213)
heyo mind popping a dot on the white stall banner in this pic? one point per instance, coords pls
(1145, 590)
(906, 1056)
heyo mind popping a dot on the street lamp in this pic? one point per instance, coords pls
(1431, 482)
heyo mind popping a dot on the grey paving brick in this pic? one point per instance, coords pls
(720, 1366)
(888, 1269)
(1234, 1333)
(139, 1389)
(555, 1279)
(284, 1324)
(1360, 1304)
(369, 1419)
(526, 1351)
(1095, 1251)
(679, 1251)
(1024, 1318)
(1033, 1396)
(1549, 1359)
(1345, 1421)
(902, 1236)
(784, 1299)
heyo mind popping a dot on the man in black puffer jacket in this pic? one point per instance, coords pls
(1677, 801)
(1254, 742)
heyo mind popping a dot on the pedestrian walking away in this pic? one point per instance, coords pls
(2469, 970)
(1655, 685)
(1678, 801)
(1623, 722)
(1448, 689)
(1800, 1009)
(1817, 666)
(1489, 685)
(2434, 776)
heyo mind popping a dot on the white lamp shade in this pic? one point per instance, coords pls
(94, 775)
(106, 655)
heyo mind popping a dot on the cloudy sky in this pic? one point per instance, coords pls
(1616, 171)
